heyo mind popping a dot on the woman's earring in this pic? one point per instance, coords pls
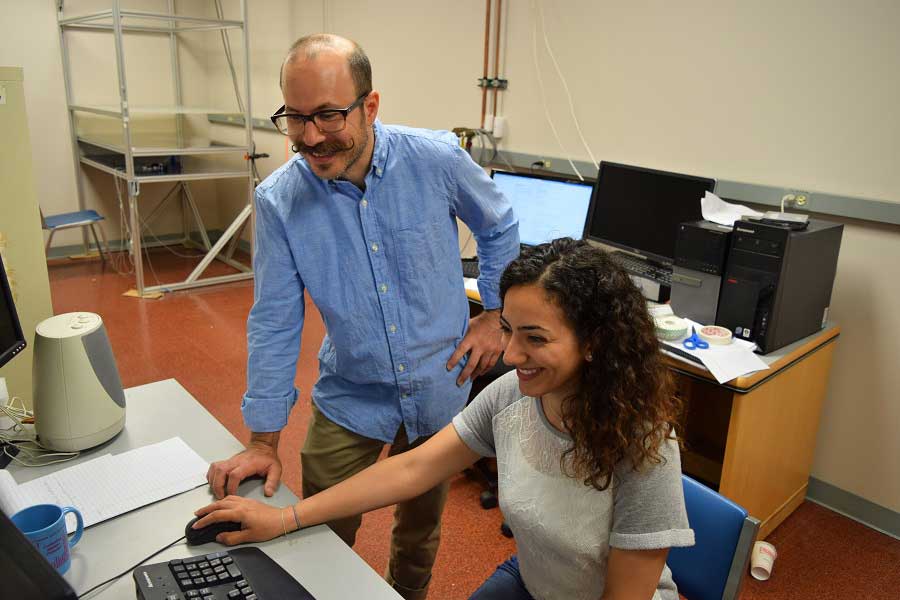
(294, 148)
(589, 357)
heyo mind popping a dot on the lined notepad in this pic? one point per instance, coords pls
(110, 485)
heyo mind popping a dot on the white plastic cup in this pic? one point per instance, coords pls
(762, 559)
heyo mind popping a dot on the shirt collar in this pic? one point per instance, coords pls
(379, 155)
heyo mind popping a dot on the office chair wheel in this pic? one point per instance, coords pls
(505, 530)
(488, 500)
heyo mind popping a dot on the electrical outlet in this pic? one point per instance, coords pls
(796, 198)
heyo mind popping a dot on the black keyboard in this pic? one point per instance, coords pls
(658, 273)
(470, 268)
(240, 574)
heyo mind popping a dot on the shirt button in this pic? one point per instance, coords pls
(401, 368)
(393, 329)
(364, 202)
(374, 247)
(378, 171)
(383, 288)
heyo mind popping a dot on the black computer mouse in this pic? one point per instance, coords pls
(207, 534)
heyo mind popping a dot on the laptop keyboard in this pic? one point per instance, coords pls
(470, 268)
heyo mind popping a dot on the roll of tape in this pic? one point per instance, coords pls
(670, 328)
(716, 335)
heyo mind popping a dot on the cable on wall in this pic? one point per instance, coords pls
(537, 73)
(565, 86)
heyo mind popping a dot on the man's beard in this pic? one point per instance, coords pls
(325, 148)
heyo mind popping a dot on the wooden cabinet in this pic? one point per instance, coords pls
(754, 437)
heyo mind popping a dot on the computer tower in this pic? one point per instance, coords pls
(778, 281)
(700, 251)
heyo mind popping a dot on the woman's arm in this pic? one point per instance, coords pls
(387, 482)
(633, 574)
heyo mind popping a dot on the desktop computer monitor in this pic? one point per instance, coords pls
(11, 339)
(639, 210)
(24, 572)
(548, 207)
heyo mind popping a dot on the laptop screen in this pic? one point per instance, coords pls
(547, 207)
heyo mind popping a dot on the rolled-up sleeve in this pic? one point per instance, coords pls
(649, 510)
(489, 215)
(274, 325)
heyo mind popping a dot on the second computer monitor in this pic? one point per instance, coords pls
(547, 207)
(639, 209)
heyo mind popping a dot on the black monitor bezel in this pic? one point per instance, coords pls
(658, 258)
(562, 177)
(17, 550)
(7, 354)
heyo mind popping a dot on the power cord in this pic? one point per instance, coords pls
(565, 86)
(130, 569)
(20, 445)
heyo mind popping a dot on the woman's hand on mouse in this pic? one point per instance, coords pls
(259, 521)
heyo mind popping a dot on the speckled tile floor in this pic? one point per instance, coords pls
(198, 337)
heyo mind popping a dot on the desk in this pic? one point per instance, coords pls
(316, 557)
(754, 437)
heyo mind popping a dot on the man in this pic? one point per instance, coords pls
(365, 222)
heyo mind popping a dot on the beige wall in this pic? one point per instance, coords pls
(801, 94)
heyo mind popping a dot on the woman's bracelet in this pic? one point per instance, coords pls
(283, 528)
(296, 520)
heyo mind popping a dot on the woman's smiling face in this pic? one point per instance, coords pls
(540, 343)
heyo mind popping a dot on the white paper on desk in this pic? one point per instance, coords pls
(725, 362)
(471, 284)
(111, 485)
(718, 211)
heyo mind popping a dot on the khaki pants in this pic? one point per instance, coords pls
(332, 454)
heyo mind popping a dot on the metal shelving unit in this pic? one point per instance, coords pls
(135, 157)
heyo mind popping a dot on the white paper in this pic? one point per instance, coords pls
(111, 485)
(724, 362)
(471, 284)
(718, 211)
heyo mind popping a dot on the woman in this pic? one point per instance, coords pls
(587, 460)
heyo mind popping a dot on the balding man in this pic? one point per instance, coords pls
(364, 221)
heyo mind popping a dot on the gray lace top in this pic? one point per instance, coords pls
(564, 529)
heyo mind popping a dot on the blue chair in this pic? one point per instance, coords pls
(714, 568)
(81, 218)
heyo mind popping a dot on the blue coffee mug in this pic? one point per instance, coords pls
(45, 526)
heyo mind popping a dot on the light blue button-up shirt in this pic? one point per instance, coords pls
(383, 268)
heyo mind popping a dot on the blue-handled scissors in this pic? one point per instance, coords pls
(694, 342)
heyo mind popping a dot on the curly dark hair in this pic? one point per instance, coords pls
(624, 408)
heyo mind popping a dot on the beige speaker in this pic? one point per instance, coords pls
(78, 398)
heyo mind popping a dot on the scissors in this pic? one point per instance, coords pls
(694, 342)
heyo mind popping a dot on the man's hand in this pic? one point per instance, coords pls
(483, 343)
(259, 521)
(260, 458)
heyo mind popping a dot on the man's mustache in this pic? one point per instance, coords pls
(324, 147)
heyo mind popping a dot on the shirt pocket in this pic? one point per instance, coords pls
(424, 266)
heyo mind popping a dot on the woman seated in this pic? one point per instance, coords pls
(587, 458)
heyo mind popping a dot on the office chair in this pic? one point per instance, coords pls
(714, 568)
(81, 218)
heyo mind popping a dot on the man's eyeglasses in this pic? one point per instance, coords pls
(330, 120)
